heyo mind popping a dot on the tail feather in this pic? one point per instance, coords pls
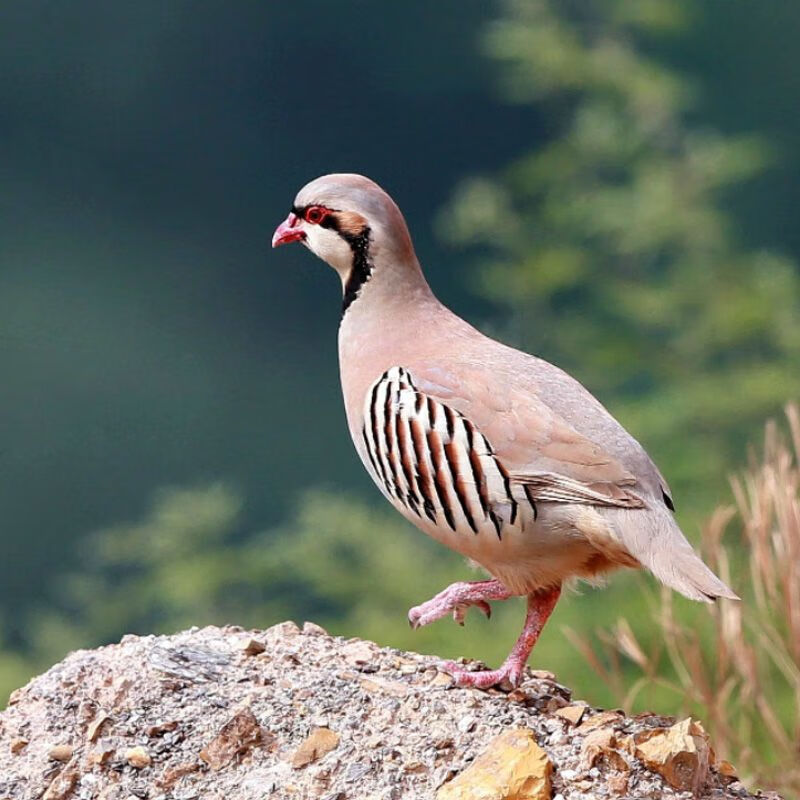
(682, 569)
(662, 548)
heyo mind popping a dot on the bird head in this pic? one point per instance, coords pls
(351, 224)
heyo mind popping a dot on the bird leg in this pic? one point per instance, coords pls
(540, 606)
(457, 598)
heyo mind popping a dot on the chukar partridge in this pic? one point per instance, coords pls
(493, 452)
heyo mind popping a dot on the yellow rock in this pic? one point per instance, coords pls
(679, 753)
(137, 757)
(573, 713)
(99, 755)
(442, 679)
(601, 745)
(317, 744)
(513, 767)
(60, 752)
(600, 720)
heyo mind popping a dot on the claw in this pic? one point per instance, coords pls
(509, 675)
(460, 611)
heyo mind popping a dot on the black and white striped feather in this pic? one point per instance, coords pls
(432, 462)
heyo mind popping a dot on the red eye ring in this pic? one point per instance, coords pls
(315, 214)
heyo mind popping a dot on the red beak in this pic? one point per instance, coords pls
(288, 231)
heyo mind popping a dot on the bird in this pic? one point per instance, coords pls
(493, 452)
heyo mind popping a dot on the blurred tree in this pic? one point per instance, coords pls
(335, 560)
(15, 668)
(609, 248)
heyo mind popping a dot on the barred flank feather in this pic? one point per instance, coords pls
(432, 461)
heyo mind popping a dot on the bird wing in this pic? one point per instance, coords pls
(536, 446)
(420, 423)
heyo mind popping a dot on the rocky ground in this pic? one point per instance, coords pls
(224, 713)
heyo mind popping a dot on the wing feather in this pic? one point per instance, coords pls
(535, 447)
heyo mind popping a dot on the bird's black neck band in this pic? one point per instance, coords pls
(362, 267)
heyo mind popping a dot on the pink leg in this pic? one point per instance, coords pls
(457, 598)
(540, 606)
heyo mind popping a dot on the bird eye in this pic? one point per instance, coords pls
(315, 214)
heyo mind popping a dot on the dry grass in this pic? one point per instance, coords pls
(736, 665)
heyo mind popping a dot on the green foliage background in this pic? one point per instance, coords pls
(614, 206)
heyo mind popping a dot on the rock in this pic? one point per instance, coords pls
(679, 753)
(160, 728)
(513, 767)
(284, 630)
(174, 774)
(312, 629)
(573, 713)
(618, 783)
(442, 679)
(60, 752)
(62, 785)
(252, 647)
(100, 755)
(359, 652)
(15, 697)
(18, 745)
(95, 726)
(217, 724)
(554, 704)
(138, 757)
(318, 743)
(599, 742)
(600, 720)
(236, 737)
(466, 724)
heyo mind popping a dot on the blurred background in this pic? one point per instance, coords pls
(610, 184)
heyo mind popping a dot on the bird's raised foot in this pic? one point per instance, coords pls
(442, 605)
(510, 675)
(434, 609)
(456, 600)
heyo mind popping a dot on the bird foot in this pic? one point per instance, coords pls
(456, 600)
(540, 606)
(435, 609)
(509, 674)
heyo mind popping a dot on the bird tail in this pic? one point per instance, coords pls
(670, 557)
(684, 571)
